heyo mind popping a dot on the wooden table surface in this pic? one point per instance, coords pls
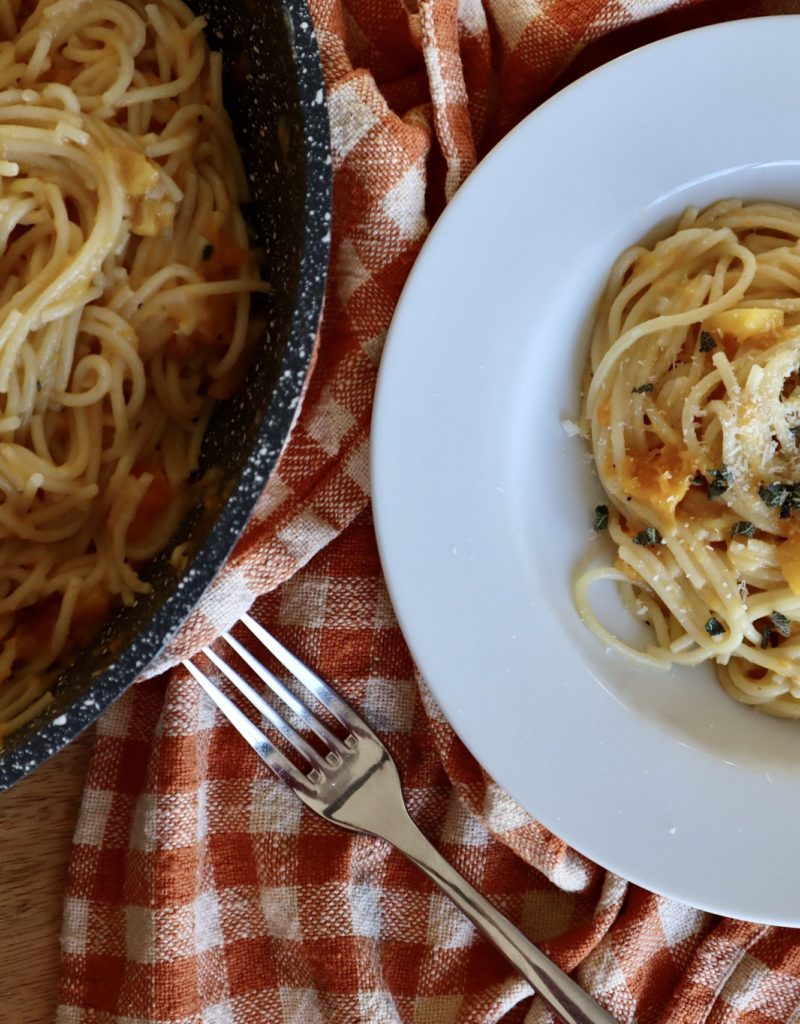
(37, 818)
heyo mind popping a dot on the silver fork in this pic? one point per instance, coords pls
(356, 784)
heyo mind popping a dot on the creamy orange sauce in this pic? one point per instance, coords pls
(661, 477)
(137, 174)
(149, 215)
(731, 345)
(155, 501)
(35, 624)
(746, 323)
(697, 505)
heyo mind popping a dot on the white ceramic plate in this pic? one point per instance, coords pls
(483, 504)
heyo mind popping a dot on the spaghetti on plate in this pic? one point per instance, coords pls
(692, 405)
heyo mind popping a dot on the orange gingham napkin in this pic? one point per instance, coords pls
(199, 890)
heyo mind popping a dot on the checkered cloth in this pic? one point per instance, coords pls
(199, 889)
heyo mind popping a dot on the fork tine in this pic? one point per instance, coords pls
(268, 753)
(267, 710)
(285, 694)
(341, 711)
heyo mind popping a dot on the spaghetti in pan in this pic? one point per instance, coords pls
(126, 285)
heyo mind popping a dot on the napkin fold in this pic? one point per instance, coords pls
(200, 890)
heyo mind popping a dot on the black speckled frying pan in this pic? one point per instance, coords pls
(274, 93)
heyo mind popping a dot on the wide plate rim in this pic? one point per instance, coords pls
(384, 462)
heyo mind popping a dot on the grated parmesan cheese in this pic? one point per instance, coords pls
(572, 429)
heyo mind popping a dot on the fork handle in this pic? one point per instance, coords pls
(557, 989)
